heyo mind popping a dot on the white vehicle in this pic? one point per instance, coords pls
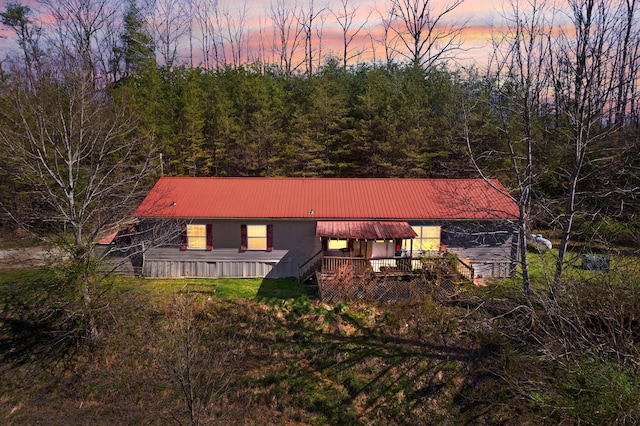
(538, 242)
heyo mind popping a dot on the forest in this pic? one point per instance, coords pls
(99, 98)
(555, 116)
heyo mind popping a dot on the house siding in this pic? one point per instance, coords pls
(294, 242)
(491, 248)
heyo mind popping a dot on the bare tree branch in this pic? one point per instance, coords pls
(424, 32)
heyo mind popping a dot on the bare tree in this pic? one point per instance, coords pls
(260, 56)
(168, 23)
(109, 54)
(288, 34)
(345, 18)
(580, 74)
(235, 32)
(520, 79)
(626, 71)
(319, 35)
(387, 40)
(76, 148)
(306, 20)
(194, 363)
(190, 11)
(79, 28)
(220, 48)
(424, 32)
(19, 18)
(205, 14)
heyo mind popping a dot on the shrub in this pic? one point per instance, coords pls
(608, 231)
(598, 392)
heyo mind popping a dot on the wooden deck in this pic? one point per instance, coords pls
(173, 253)
(384, 266)
(389, 266)
(387, 279)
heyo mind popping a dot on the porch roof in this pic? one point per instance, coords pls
(364, 230)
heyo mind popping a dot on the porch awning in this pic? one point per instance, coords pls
(364, 230)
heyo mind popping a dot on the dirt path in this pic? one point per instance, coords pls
(26, 257)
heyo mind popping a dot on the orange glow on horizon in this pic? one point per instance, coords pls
(481, 18)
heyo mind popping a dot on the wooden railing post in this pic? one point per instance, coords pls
(310, 265)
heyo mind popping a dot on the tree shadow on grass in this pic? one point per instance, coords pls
(32, 346)
(33, 321)
(365, 375)
(281, 289)
(357, 379)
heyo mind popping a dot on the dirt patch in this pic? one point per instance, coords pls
(27, 257)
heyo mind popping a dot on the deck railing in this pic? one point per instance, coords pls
(393, 265)
(389, 266)
(464, 269)
(309, 267)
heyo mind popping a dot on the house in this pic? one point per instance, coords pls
(289, 227)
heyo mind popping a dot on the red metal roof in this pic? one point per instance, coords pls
(327, 198)
(364, 229)
(108, 239)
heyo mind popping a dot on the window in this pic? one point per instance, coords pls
(256, 237)
(197, 237)
(337, 244)
(428, 239)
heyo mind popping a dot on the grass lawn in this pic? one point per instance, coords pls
(20, 243)
(542, 267)
(227, 288)
(261, 354)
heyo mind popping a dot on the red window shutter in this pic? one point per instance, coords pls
(183, 238)
(243, 237)
(269, 237)
(209, 229)
(398, 244)
(443, 239)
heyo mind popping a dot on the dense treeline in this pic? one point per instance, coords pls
(365, 122)
(556, 117)
(372, 122)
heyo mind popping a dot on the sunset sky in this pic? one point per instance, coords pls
(477, 15)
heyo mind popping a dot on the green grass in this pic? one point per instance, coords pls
(542, 268)
(289, 359)
(20, 276)
(20, 243)
(25, 285)
(300, 361)
(227, 288)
